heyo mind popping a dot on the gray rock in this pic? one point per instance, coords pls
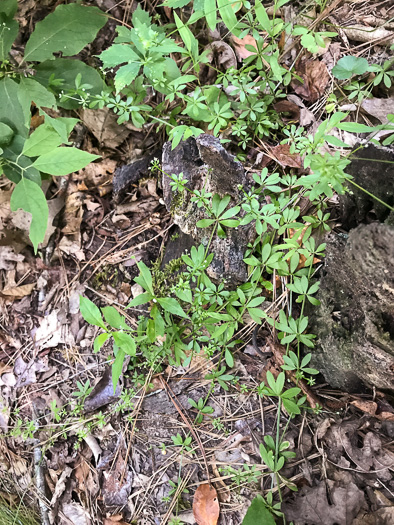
(206, 164)
(355, 321)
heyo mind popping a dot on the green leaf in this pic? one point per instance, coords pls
(62, 125)
(30, 197)
(20, 166)
(90, 312)
(204, 223)
(143, 298)
(32, 91)
(145, 274)
(118, 54)
(113, 317)
(171, 305)
(8, 7)
(6, 134)
(8, 32)
(43, 140)
(228, 15)
(354, 127)
(99, 341)
(63, 161)
(228, 356)
(125, 343)
(210, 13)
(68, 29)
(187, 36)
(125, 75)
(67, 69)
(11, 111)
(117, 366)
(348, 66)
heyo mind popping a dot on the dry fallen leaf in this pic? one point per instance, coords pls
(282, 155)
(17, 292)
(114, 520)
(315, 78)
(239, 46)
(206, 505)
(286, 106)
(221, 56)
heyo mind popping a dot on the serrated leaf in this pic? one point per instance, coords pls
(90, 312)
(125, 75)
(43, 140)
(28, 196)
(63, 161)
(348, 66)
(118, 54)
(68, 29)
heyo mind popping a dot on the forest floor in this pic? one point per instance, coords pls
(125, 456)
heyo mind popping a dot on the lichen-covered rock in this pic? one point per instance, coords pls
(206, 164)
(355, 321)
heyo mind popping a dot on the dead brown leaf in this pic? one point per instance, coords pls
(221, 56)
(239, 46)
(371, 408)
(312, 505)
(282, 155)
(206, 505)
(315, 78)
(286, 106)
(103, 124)
(17, 292)
(8, 258)
(379, 107)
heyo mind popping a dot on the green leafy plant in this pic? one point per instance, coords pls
(26, 158)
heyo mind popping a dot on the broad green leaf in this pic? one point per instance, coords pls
(19, 165)
(68, 29)
(43, 140)
(8, 32)
(67, 69)
(143, 298)
(125, 75)
(117, 366)
(118, 54)
(125, 342)
(100, 340)
(113, 317)
(348, 66)
(62, 125)
(205, 223)
(6, 134)
(145, 274)
(171, 305)
(28, 196)
(11, 111)
(90, 312)
(32, 91)
(63, 161)
(8, 7)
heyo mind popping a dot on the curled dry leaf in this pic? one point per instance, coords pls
(206, 505)
(315, 78)
(239, 46)
(286, 106)
(221, 56)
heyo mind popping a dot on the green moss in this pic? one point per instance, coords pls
(107, 275)
(165, 278)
